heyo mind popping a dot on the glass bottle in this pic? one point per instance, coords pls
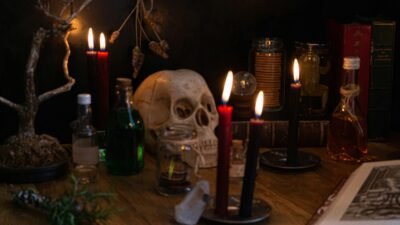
(238, 160)
(174, 175)
(267, 63)
(85, 151)
(124, 134)
(309, 73)
(347, 136)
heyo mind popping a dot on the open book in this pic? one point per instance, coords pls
(370, 196)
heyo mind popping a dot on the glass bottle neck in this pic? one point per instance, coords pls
(123, 96)
(350, 87)
(350, 77)
(84, 121)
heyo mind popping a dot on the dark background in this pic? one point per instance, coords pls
(208, 36)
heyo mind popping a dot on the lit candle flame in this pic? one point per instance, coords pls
(227, 87)
(296, 71)
(90, 39)
(259, 104)
(102, 42)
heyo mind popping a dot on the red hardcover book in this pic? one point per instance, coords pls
(353, 39)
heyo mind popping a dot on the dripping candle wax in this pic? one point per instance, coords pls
(224, 145)
(102, 83)
(295, 89)
(249, 178)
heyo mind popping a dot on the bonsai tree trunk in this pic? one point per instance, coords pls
(26, 148)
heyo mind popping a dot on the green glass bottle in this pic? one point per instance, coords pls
(125, 133)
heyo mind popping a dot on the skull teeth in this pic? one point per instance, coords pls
(206, 146)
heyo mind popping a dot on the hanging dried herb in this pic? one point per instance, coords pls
(158, 46)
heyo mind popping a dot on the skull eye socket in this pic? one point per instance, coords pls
(202, 118)
(208, 103)
(183, 108)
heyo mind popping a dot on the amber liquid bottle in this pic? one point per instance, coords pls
(347, 136)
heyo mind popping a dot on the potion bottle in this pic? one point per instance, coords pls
(124, 134)
(347, 136)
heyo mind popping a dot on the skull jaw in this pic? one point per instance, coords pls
(207, 159)
(210, 160)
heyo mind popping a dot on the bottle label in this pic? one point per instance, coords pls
(84, 152)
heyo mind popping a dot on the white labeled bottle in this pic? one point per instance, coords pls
(85, 150)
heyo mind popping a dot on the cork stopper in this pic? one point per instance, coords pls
(351, 63)
(84, 99)
(237, 143)
(124, 82)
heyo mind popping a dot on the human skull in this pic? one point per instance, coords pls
(182, 96)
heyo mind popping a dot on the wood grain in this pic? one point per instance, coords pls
(294, 196)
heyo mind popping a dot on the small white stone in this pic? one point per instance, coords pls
(190, 209)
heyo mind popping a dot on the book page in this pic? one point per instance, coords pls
(371, 196)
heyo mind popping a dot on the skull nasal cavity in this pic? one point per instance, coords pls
(183, 108)
(202, 118)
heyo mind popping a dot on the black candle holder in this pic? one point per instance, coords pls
(261, 210)
(291, 158)
(278, 159)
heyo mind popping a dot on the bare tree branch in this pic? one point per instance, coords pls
(30, 89)
(71, 81)
(60, 19)
(66, 87)
(10, 104)
(67, 4)
(75, 13)
(47, 12)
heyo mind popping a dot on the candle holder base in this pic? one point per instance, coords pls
(261, 210)
(277, 159)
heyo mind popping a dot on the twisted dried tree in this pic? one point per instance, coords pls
(26, 148)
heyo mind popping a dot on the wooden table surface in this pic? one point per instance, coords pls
(294, 196)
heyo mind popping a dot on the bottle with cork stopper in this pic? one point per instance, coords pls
(347, 136)
(124, 134)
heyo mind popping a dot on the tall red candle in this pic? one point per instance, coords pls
(246, 200)
(102, 85)
(224, 148)
(295, 89)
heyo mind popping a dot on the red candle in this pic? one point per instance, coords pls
(224, 147)
(295, 89)
(102, 84)
(246, 201)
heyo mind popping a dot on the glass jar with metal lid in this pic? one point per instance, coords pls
(267, 63)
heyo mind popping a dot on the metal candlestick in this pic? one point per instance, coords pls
(291, 158)
(261, 210)
(278, 159)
